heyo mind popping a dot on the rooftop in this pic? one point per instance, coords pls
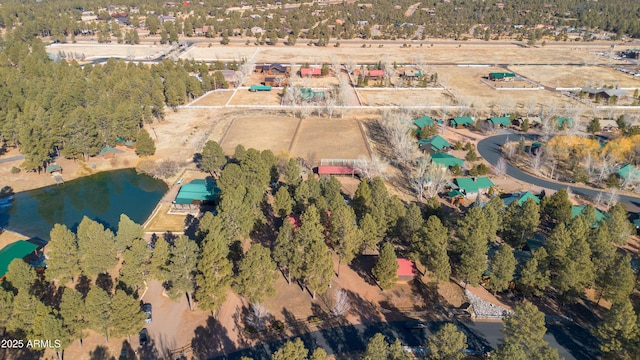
(473, 185)
(17, 250)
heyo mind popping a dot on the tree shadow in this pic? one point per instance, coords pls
(296, 326)
(191, 224)
(211, 340)
(364, 309)
(170, 237)
(363, 265)
(20, 354)
(428, 292)
(149, 351)
(577, 340)
(51, 296)
(105, 282)
(83, 285)
(101, 352)
(127, 352)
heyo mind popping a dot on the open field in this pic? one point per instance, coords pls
(330, 139)
(215, 98)
(138, 52)
(164, 222)
(573, 76)
(438, 53)
(246, 97)
(404, 97)
(466, 85)
(261, 133)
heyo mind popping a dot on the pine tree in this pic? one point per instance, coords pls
(159, 265)
(618, 280)
(618, 330)
(397, 352)
(594, 126)
(386, 269)
(292, 174)
(135, 264)
(447, 343)
(96, 248)
(345, 235)
(21, 275)
(363, 199)
(257, 274)
(619, 226)
(521, 222)
(502, 267)
(126, 315)
(62, 255)
(291, 350)
(6, 306)
(128, 232)
(318, 266)
(236, 214)
(370, 235)
(525, 328)
(574, 270)
(213, 158)
(181, 268)
(557, 206)
(73, 312)
(509, 352)
(494, 213)
(318, 354)
(535, 275)
(285, 250)
(473, 234)
(431, 249)
(377, 348)
(215, 271)
(144, 144)
(23, 314)
(411, 224)
(282, 202)
(98, 311)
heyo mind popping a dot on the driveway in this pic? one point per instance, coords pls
(489, 149)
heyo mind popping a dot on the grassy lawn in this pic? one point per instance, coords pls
(163, 222)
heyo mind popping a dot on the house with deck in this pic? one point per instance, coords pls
(461, 122)
(434, 144)
(472, 187)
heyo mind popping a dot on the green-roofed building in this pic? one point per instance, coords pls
(423, 121)
(564, 122)
(463, 121)
(521, 198)
(53, 168)
(578, 209)
(197, 192)
(434, 144)
(629, 172)
(107, 152)
(504, 76)
(446, 160)
(502, 121)
(17, 250)
(470, 186)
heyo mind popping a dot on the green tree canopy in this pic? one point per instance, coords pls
(525, 328)
(448, 343)
(257, 274)
(144, 144)
(62, 255)
(126, 316)
(431, 249)
(291, 350)
(96, 248)
(386, 268)
(215, 271)
(502, 268)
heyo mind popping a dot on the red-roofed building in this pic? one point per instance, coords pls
(310, 72)
(375, 74)
(406, 270)
(337, 170)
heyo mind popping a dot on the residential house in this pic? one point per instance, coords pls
(500, 121)
(272, 69)
(230, 76)
(375, 74)
(411, 74)
(608, 125)
(423, 121)
(472, 187)
(604, 94)
(166, 18)
(578, 209)
(629, 173)
(446, 160)
(521, 198)
(463, 121)
(20, 249)
(434, 144)
(311, 72)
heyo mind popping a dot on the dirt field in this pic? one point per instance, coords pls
(330, 139)
(577, 76)
(216, 98)
(264, 132)
(438, 53)
(404, 97)
(466, 85)
(138, 52)
(246, 97)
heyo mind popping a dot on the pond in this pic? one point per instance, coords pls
(101, 197)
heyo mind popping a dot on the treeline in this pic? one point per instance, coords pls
(451, 19)
(50, 109)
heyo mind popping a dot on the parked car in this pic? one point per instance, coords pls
(144, 337)
(147, 310)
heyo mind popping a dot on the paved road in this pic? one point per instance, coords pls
(12, 158)
(352, 338)
(489, 149)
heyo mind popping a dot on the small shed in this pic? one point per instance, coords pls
(411, 74)
(17, 250)
(463, 121)
(406, 270)
(501, 76)
(446, 160)
(54, 168)
(500, 121)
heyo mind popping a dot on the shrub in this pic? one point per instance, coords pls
(15, 170)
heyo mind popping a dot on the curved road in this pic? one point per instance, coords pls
(489, 149)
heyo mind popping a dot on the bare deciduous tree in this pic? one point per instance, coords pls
(428, 179)
(258, 316)
(398, 136)
(376, 167)
(501, 166)
(341, 303)
(351, 66)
